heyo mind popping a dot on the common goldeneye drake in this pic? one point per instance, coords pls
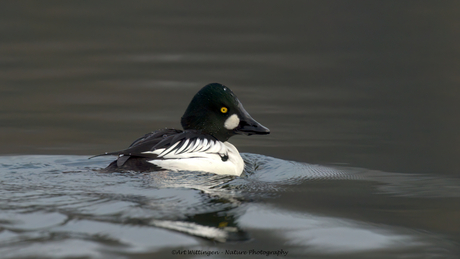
(213, 116)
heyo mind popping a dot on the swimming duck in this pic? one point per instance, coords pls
(213, 116)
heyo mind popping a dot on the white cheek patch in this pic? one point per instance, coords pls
(232, 122)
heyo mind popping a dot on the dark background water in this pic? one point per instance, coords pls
(372, 84)
(366, 83)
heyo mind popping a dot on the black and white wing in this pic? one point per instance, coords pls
(192, 147)
(167, 144)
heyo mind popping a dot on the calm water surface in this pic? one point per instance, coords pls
(363, 96)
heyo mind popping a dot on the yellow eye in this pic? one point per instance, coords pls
(224, 110)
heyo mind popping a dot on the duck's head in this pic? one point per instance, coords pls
(216, 110)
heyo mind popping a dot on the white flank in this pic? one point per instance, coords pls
(232, 122)
(198, 160)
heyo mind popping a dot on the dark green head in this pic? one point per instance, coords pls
(216, 110)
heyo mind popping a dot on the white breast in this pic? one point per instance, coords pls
(200, 155)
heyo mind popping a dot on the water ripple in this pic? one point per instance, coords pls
(63, 201)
